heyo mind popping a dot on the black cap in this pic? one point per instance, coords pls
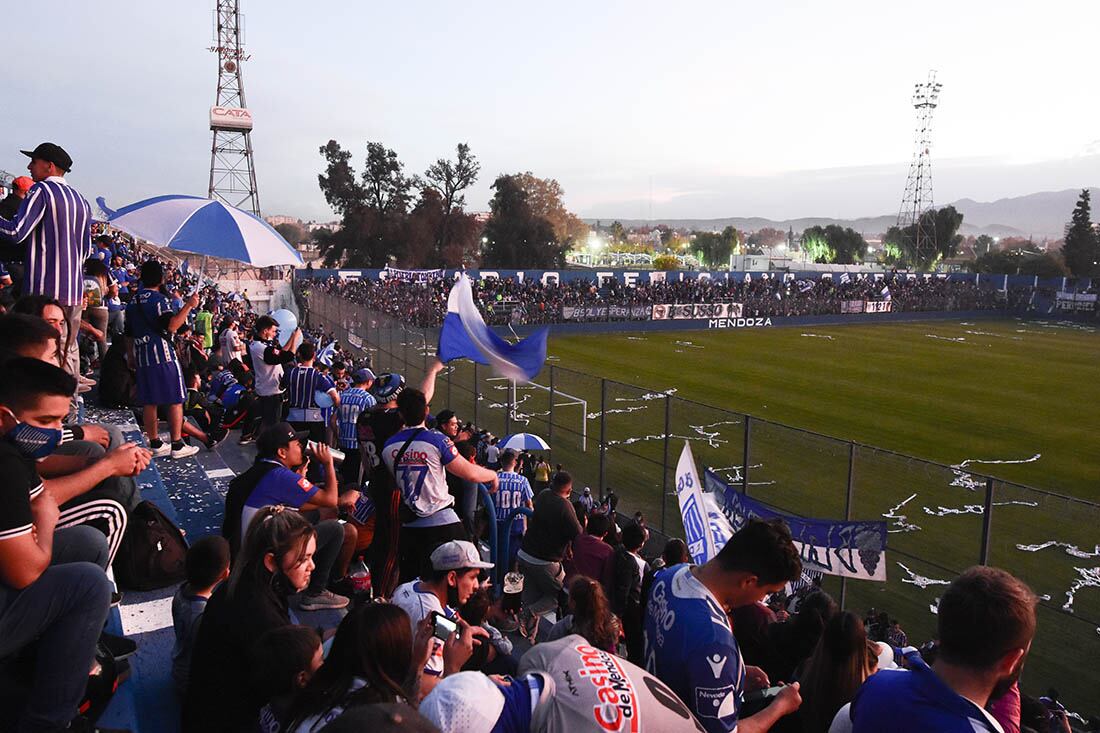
(51, 153)
(278, 436)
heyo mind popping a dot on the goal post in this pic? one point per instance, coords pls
(567, 400)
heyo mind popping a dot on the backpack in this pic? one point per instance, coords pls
(152, 552)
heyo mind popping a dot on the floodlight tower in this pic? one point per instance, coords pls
(918, 186)
(232, 171)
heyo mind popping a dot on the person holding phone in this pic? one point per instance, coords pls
(453, 578)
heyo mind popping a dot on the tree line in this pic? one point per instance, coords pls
(388, 217)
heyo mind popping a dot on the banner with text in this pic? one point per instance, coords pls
(848, 549)
(412, 276)
(689, 311)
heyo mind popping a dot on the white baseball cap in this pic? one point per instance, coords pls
(467, 701)
(457, 554)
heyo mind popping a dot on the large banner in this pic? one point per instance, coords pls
(848, 549)
(877, 306)
(1076, 301)
(412, 276)
(690, 311)
(851, 306)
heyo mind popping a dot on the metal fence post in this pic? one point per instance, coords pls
(848, 511)
(664, 462)
(987, 521)
(550, 439)
(476, 395)
(603, 432)
(450, 403)
(748, 445)
(509, 405)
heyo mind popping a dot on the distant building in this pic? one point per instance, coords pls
(281, 219)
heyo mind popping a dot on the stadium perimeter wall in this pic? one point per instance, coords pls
(942, 519)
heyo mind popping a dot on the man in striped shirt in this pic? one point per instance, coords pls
(354, 401)
(150, 322)
(55, 223)
(514, 493)
(303, 382)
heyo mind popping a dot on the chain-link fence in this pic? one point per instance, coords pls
(941, 519)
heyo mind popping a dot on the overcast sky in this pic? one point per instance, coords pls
(639, 109)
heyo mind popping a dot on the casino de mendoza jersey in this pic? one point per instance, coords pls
(145, 322)
(420, 474)
(689, 644)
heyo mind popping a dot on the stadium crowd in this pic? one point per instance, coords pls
(507, 300)
(363, 499)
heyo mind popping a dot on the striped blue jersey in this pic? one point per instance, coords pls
(514, 492)
(56, 223)
(302, 382)
(146, 320)
(354, 401)
(689, 644)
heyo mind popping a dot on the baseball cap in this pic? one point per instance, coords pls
(278, 436)
(360, 376)
(456, 555)
(51, 153)
(387, 386)
(471, 702)
(23, 183)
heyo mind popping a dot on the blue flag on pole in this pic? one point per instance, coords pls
(465, 335)
(326, 355)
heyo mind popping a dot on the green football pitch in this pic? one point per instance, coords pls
(1010, 399)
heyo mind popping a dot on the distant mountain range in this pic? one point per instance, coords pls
(1040, 215)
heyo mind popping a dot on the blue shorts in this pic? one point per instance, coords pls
(160, 384)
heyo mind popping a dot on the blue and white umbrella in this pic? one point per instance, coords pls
(205, 227)
(523, 441)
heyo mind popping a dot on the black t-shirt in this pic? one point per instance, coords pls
(375, 428)
(552, 527)
(21, 484)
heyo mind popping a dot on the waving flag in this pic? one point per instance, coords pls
(845, 278)
(886, 293)
(327, 354)
(465, 335)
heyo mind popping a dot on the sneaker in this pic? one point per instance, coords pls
(246, 439)
(85, 380)
(161, 450)
(216, 439)
(116, 598)
(324, 600)
(184, 451)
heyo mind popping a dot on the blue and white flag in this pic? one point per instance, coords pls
(845, 278)
(465, 335)
(849, 549)
(886, 292)
(327, 354)
(706, 530)
(185, 267)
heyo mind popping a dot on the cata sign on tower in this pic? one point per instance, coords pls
(230, 118)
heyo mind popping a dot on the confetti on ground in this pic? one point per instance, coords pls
(956, 339)
(818, 336)
(919, 580)
(688, 344)
(901, 523)
(966, 481)
(1086, 578)
(943, 511)
(1072, 550)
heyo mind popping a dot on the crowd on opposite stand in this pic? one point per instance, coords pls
(533, 302)
(365, 502)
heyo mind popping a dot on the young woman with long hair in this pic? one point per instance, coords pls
(590, 616)
(275, 561)
(843, 659)
(371, 662)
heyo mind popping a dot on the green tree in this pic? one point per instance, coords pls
(1020, 262)
(666, 262)
(516, 237)
(942, 224)
(449, 179)
(547, 201)
(618, 234)
(834, 244)
(983, 245)
(294, 234)
(1081, 250)
(715, 248)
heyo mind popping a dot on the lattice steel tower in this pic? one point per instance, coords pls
(918, 187)
(232, 171)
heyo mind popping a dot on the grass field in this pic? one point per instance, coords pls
(944, 391)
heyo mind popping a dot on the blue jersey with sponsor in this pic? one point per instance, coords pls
(915, 699)
(515, 491)
(353, 402)
(145, 322)
(420, 474)
(690, 646)
(220, 382)
(278, 486)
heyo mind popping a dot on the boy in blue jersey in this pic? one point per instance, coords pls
(689, 643)
(151, 322)
(354, 401)
(514, 492)
(986, 622)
